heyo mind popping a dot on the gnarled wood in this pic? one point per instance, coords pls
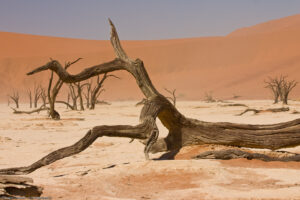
(182, 131)
(237, 153)
(273, 110)
(147, 129)
(18, 187)
(42, 108)
(15, 97)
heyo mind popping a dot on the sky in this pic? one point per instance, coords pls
(139, 19)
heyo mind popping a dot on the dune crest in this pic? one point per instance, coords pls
(223, 65)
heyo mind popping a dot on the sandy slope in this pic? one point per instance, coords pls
(235, 64)
(112, 168)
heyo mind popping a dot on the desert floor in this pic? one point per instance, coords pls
(113, 168)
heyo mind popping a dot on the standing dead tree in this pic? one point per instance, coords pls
(97, 90)
(73, 95)
(87, 94)
(43, 96)
(30, 98)
(280, 88)
(36, 94)
(182, 131)
(15, 97)
(208, 97)
(287, 87)
(173, 97)
(275, 85)
(79, 93)
(53, 92)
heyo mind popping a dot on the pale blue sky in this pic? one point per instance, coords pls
(139, 19)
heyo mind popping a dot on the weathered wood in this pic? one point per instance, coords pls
(53, 92)
(280, 88)
(147, 129)
(42, 108)
(233, 105)
(18, 187)
(173, 98)
(96, 91)
(228, 154)
(256, 111)
(15, 97)
(182, 131)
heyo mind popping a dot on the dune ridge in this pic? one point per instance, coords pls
(234, 64)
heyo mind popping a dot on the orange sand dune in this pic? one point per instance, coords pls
(234, 64)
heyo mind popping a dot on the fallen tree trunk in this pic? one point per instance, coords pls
(42, 108)
(18, 187)
(274, 110)
(182, 131)
(237, 153)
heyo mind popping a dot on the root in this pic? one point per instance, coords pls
(273, 110)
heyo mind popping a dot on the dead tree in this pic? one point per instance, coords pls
(275, 85)
(36, 94)
(15, 97)
(280, 88)
(182, 131)
(173, 97)
(43, 96)
(30, 98)
(87, 94)
(79, 93)
(53, 92)
(208, 97)
(74, 96)
(96, 91)
(286, 88)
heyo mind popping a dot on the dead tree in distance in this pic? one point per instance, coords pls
(73, 95)
(79, 93)
(280, 88)
(96, 91)
(43, 96)
(208, 97)
(36, 94)
(87, 94)
(287, 87)
(15, 97)
(173, 97)
(30, 98)
(275, 85)
(182, 131)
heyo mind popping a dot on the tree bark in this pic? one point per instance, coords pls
(182, 131)
(43, 107)
(15, 97)
(18, 187)
(30, 98)
(237, 153)
(273, 110)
